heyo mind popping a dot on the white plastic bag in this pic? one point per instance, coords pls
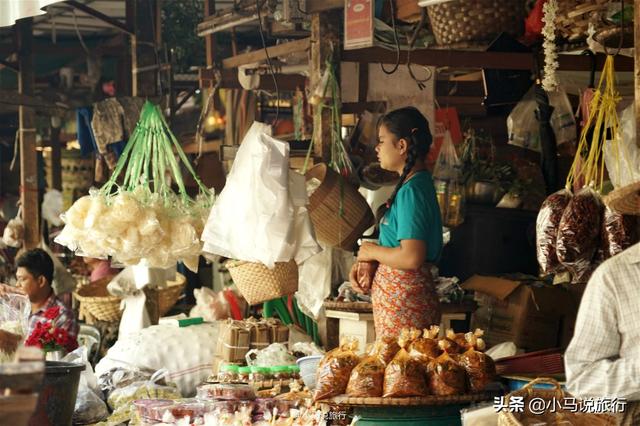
(52, 207)
(524, 128)
(254, 218)
(624, 166)
(89, 408)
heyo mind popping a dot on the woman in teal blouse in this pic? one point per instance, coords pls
(403, 293)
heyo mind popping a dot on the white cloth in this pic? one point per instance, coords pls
(603, 358)
(12, 10)
(259, 216)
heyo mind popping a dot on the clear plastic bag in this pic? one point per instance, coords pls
(623, 163)
(405, 375)
(480, 368)
(426, 347)
(14, 318)
(365, 273)
(334, 371)
(579, 234)
(446, 376)
(619, 232)
(367, 378)
(524, 128)
(447, 174)
(386, 347)
(547, 224)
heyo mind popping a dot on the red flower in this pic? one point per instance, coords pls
(52, 313)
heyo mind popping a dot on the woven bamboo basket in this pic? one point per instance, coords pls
(96, 301)
(463, 21)
(560, 416)
(326, 203)
(257, 283)
(574, 16)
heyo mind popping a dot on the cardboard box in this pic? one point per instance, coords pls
(532, 315)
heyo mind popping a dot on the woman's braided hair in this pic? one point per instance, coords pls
(407, 123)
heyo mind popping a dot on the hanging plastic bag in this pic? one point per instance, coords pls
(446, 376)
(480, 368)
(367, 378)
(14, 318)
(405, 375)
(334, 371)
(623, 161)
(619, 232)
(547, 224)
(579, 233)
(524, 128)
(447, 174)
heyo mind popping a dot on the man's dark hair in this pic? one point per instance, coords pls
(37, 262)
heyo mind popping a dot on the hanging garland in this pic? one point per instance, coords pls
(550, 9)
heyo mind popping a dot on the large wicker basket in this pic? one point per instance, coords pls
(96, 302)
(257, 283)
(464, 21)
(553, 398)
(340, 214)
(574, 16)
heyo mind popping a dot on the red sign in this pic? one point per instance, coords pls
(358, 24)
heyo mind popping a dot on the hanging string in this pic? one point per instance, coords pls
(75, 24)
(395, 37)
(269, 63)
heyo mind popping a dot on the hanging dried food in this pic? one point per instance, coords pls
(446, 376)
(386, 347)
(405, 375)
(334, 371)
(426, 347)
(480, 368)
(619, 232)
(579, 233)
(547, 224)
(367, 378)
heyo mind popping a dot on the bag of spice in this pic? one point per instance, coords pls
(547, 224)
(579, 233)
(446, 376)
(334, 371)
(405, 375)
(367, 378)
(426, 347)
(386, 347)
(479, 366)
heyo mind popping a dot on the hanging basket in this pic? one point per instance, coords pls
(464, 21)
(257, 283)
(336, 226)
(528, 392)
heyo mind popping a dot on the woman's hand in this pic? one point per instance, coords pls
(367, 252)
(353, 279)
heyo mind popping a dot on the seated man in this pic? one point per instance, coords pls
(34, 276)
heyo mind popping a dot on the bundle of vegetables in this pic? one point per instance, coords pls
(142, 220)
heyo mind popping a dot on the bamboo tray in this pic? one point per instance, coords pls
(362, 307)
(423, 400)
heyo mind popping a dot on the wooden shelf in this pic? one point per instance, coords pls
(260, 54)
(286, 82)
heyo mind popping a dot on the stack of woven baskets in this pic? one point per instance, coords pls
(96, 304)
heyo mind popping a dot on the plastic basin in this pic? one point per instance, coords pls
(308, 367)
(57, 398)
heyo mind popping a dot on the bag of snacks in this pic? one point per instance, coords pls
(405, 375)
(547, 224)
(479, 366)
(446, 376)
(14, 318)
(579, 233)
(386, 347)
(367, 378)
(334, 371)
(619, 232)
(365, 273)
(426, 347)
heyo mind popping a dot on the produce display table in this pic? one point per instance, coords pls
(428, 411)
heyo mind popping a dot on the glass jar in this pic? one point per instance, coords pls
(228, 373)
(281, 372)
(294, 371)
(259, 374)
(243, 374)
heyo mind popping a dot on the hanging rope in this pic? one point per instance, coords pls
(269, 63)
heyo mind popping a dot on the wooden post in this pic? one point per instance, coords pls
(146, 19)
(325, 35)
(56, 159)
(636, 71)
(209, 40)
(28, 154)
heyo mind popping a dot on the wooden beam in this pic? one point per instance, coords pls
(56, 159)
(48, 49)
(11, 65)
(286, 82)
(325, 35)
(477, 59)
(28, 156)
(315, 6)
(260, 55)
(15, 98)
(636, 21)
(100, 16)
(209, 40)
